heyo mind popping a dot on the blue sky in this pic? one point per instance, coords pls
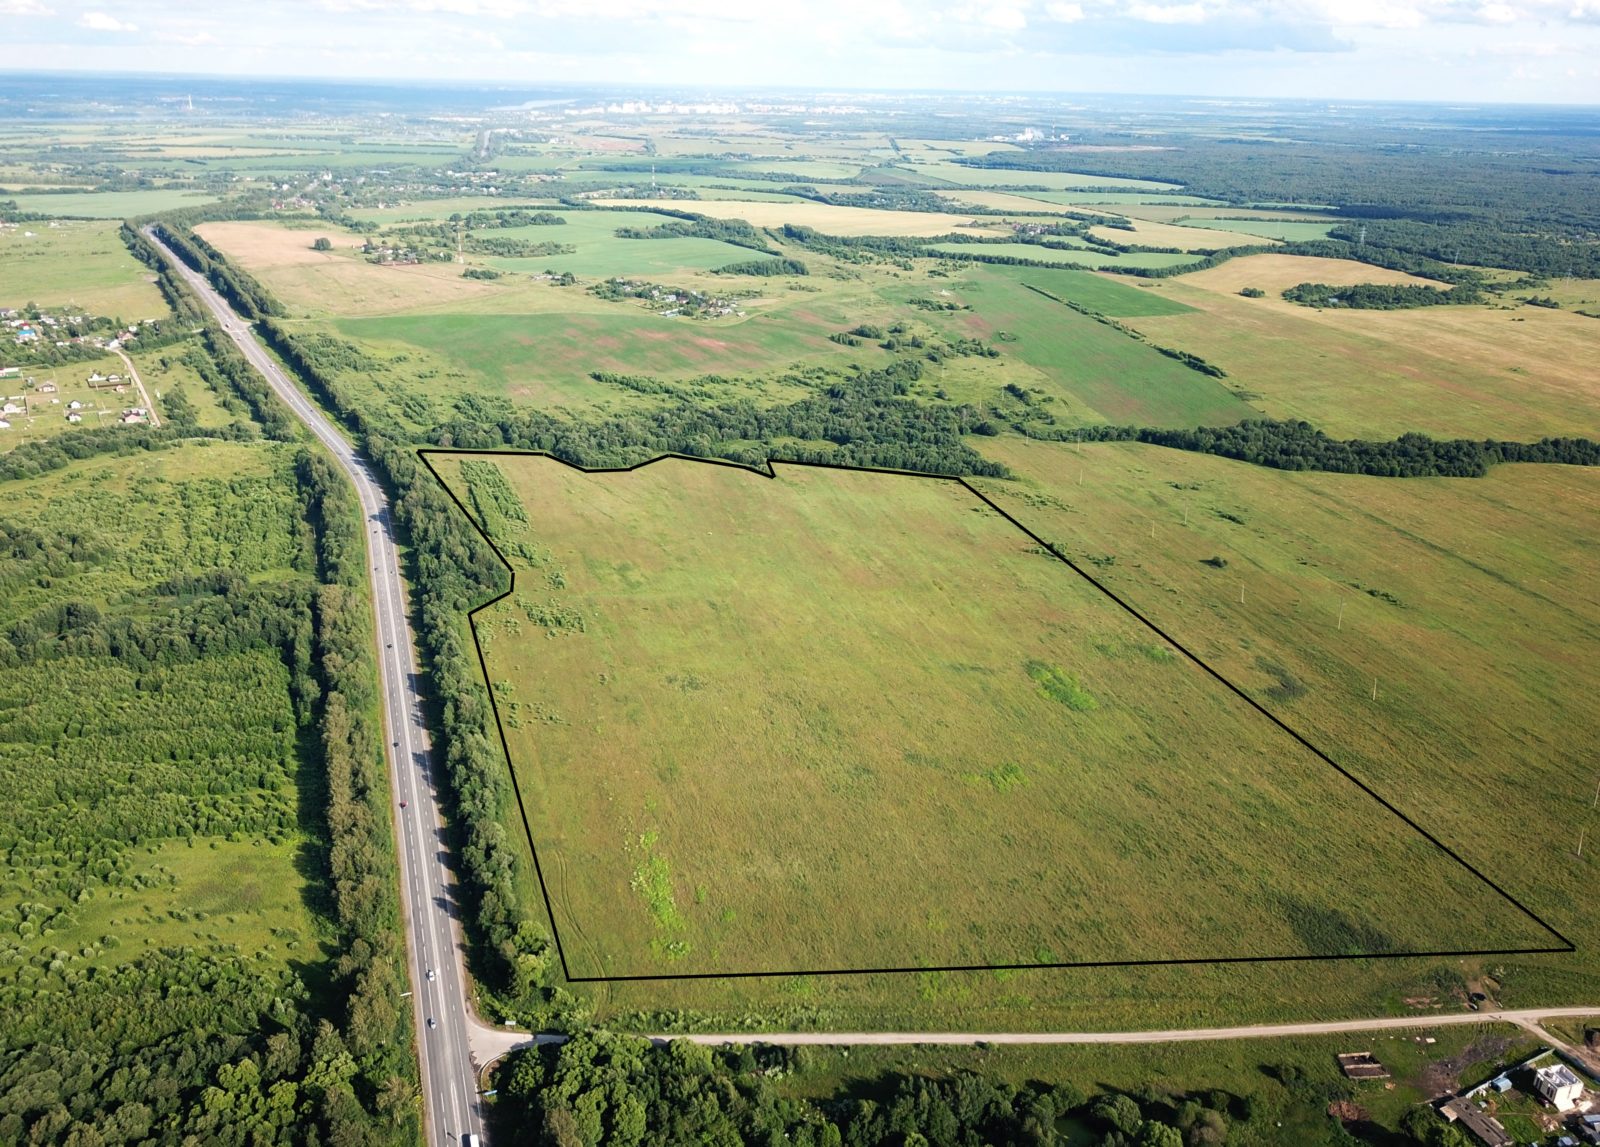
(1542, 51)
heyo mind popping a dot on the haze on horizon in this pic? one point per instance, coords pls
(1510, 51)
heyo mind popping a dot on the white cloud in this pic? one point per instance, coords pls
(1168, 13)
(1064, 13)
(23, 8)
(102, 22)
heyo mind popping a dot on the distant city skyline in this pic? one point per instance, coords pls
(1528, 51)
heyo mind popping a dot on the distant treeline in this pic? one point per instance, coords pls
(1300, 446)
(864, 419)
(768, 267)
(1461, 198)
(1380, 296)
(483, 220)
(734, 231)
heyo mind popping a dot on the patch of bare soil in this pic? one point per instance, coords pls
(1443, 1076)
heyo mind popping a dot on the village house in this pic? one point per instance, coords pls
(1558, 1086)
(4, 425)
(1486, 1129)
(74, 417)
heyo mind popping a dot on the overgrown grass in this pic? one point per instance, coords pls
(728, 692)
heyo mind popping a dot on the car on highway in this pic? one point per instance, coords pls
(431, 1024)
(432, 975)
(402, 804)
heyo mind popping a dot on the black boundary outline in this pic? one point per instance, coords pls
(767, 471)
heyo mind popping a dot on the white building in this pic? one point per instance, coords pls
(1558, 1086)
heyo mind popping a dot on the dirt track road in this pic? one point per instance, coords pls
(491, 1043)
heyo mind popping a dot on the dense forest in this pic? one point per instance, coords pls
(200, 683)
(228, 704)
(1300, 446)
(733, 231)
(599, 1088)
(1379, 296)
(1528, 206)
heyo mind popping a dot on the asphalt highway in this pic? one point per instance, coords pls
(444, 1022)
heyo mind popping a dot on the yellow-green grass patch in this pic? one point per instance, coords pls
(840, 721)
(112, 204)
(1467, 603)
(1095, 373)
(72, 263)
(833, 220)
(1152, 234)
(1073, 257)
(1447, 371)
(964, 176)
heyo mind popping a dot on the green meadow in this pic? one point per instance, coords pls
(1429, 633)
(110, 204)
(962, 176)
(1094, 373)
(1074, 257)
(854, 721)
(74, 262)
(601, 252)
(1292, 231)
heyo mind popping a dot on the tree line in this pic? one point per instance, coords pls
(1380, 296)
(601, 1088)
(1295, 445)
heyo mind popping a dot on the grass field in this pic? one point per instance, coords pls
(834, 220)
(1468, 601)
(963, 176)
(548, 357)
(1066, 258)
(1473, 371)
(1121, 198)
(1151, 234)
(1289, 230)
(1097, 374)
(75, 262)
(601, 252)
(1062, 784)
(111, 204)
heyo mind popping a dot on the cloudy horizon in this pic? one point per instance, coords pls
(1532, 51)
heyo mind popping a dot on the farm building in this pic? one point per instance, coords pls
(1558, 1086)
(1484, 1128)
(74, 417)
(1589, 1129)
(1361, 1065)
